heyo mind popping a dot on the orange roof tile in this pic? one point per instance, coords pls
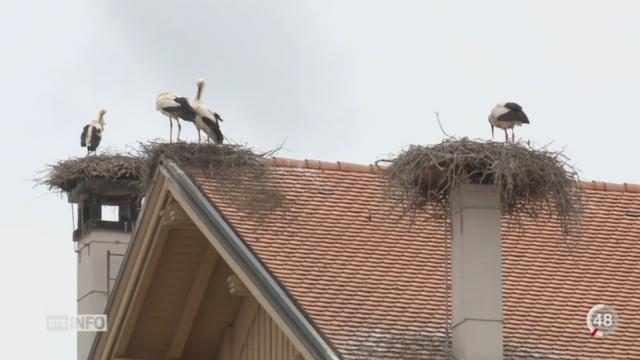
(374, 283)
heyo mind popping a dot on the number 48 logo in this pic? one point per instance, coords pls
(602, 320)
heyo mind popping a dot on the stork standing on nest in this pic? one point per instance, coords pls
(206, 119)
(174, 107)
(92, 133)
(507, 116)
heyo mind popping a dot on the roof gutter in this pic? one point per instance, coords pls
(268, 286)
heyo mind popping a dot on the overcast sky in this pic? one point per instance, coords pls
(334, 80)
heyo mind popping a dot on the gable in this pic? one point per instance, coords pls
(174, 297)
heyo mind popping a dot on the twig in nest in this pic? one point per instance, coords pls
(441, 127)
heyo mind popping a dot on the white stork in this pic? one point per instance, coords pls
(507, 116)
(206, 119)
(92, 133)
(174, 107)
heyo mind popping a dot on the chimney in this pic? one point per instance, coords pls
(106, 211)
(476, 273)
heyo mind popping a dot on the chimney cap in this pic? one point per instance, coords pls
(103, 187)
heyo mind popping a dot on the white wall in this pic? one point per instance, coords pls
(92, 275)
(476, 273)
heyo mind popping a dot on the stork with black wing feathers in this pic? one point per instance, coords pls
(92, 133)
(206, 119)
(507, 116)
(175, 107)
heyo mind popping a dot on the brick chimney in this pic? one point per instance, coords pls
(106, 212)
(476, 273)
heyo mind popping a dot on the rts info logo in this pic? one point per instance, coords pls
(85, 322)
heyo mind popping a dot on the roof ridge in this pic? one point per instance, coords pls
(376, 169)
(610, 186)
(324, 165)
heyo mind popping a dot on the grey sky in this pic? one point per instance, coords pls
(338, 80)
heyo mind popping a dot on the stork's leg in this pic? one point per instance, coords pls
(506, 135)
(179, 128)
(170, 130)
(198, 136)
(513, 135)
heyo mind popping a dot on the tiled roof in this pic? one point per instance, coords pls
(373, 282)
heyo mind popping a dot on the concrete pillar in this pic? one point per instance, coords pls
(476, 292)
(99, 258)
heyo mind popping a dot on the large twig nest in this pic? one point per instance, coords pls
(240, 173)
(66, 174)
(530, 180)
(211, 160)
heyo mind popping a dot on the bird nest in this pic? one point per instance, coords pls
(211, 160)
(66, 174)
(530, 180)
(240, 174)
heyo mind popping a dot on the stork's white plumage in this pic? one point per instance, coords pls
(206, 119)
(92, 133)
(507, 116)
(175, 107)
